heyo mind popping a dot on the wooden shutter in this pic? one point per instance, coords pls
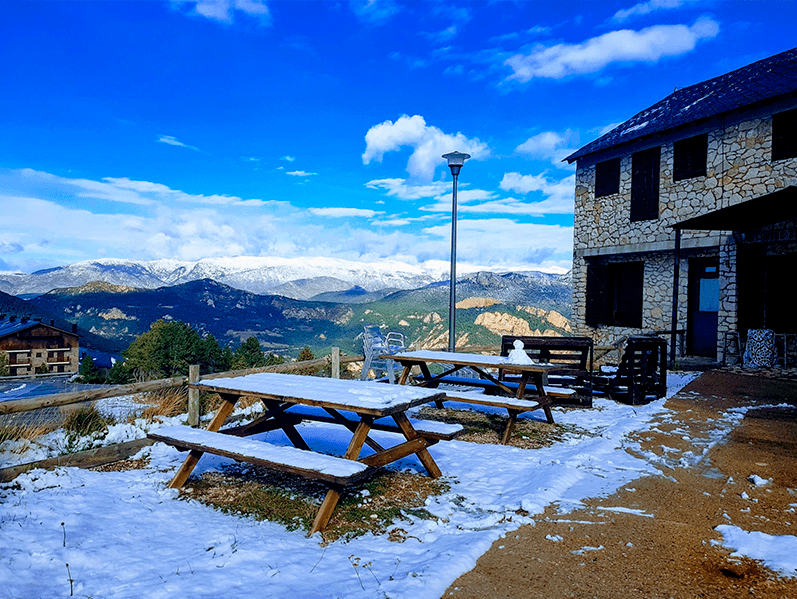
(607, 177)
(645, 166)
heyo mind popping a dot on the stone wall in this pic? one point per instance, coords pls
(738, 168)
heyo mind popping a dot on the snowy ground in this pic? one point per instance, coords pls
(124, 534)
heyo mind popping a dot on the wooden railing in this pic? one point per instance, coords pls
(64, 399)
(121, 451)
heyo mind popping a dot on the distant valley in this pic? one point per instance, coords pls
(112, 311)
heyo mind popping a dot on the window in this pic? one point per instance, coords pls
(614, 294)
(690, 157)
(645, 184)
(607, 177)
(784, 135)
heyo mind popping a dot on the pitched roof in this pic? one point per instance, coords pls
(9, 326)
(757, 82)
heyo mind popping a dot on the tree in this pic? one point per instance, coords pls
(166, 350)
(248, 355)
(119, 374)
(306, 354)
(211, 357)
(89, 373)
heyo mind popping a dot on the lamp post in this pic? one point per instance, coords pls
(455, 162)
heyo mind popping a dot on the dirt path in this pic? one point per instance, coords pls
(661, 545)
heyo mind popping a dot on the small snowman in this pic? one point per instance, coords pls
(518, 355)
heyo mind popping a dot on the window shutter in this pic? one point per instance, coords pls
(645, 166)
(607, 177)
(689, 157)
(784, 135)
(598, 309)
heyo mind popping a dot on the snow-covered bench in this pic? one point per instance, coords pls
(431, 430)
(308, 464)
(513, 405)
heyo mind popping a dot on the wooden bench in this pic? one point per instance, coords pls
(514, 406)
(572, 355)
(308, 464)
(642, 374)
(431, 430)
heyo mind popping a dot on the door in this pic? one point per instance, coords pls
(704, 303)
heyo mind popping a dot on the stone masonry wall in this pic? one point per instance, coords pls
(738, 168)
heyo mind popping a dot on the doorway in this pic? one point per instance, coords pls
(703, 307)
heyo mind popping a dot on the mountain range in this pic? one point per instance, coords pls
(113, 308)
(300, 278)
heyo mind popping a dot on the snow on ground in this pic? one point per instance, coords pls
(124, 534)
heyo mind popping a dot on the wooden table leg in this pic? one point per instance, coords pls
(540, 379)
(424, 456)
(510, 426)
(333, 495)
(226, 408)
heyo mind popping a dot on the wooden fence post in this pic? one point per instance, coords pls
(335, 362)
(193, 396)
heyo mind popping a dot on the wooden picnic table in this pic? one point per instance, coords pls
(532, 376)
(289, 399)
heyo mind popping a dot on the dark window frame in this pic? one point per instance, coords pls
(690, 156)
(784, 135)
(615, 294)
(607, 177)
(645, 178)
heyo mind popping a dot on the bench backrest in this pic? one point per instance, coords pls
(572, 352)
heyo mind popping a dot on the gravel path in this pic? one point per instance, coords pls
(653, 538)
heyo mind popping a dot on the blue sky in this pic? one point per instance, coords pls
(191, 129)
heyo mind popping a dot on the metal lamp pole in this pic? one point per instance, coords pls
(455, 162)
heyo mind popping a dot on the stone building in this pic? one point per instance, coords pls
(685, 215)
(32, 346)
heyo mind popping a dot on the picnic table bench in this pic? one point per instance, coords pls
(573, 357)
(514, 400)
(289, 399)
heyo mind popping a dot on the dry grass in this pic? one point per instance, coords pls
(123, 465)
(293, 501)
(489, 428)
(13, 429)
(168, 403)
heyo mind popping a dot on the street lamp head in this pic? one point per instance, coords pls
(455, 161)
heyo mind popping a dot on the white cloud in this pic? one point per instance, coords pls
(495, 241)
(224, 10)
(550, 145)
(288, 158)
(623, 46)
(375, 12)
(557, 191)
(428, 144)
(343, 212)
(173, 141)
(645, 8)
(399, 188)
(300, 174)
(52, 220)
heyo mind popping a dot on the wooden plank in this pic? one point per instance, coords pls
(423, 454)
(333, 494)
(187, 467)
(267, 455)
(82, 459)
(402, 450)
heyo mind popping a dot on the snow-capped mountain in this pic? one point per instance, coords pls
(294, 277)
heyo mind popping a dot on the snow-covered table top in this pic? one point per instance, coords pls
(362, 397)
(466, 359)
